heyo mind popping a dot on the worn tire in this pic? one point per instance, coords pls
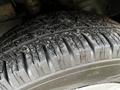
(61, 50)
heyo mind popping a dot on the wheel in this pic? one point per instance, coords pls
(62, 50)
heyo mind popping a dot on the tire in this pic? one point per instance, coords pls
(61, 50)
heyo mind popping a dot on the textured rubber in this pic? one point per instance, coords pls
(55, 42)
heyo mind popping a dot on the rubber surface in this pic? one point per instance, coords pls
(55, 42)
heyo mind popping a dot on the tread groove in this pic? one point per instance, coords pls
(68, 47)
(24, 61)
(5, 71)
(56, 42)
(108, 41)
(90, 44)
